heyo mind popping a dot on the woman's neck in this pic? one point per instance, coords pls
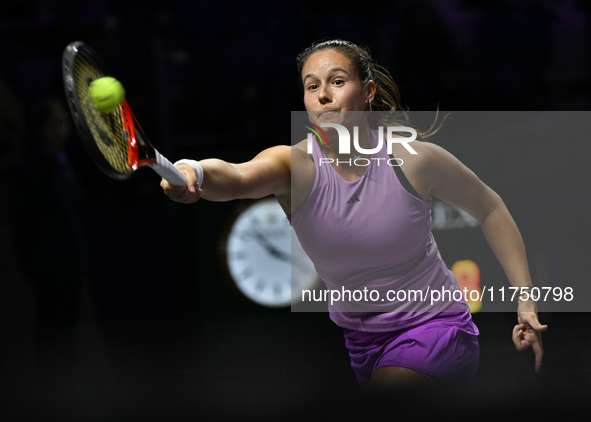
(346, 161)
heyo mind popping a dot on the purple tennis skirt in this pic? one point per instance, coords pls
(443, 349)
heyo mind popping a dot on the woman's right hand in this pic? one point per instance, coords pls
(185, 194)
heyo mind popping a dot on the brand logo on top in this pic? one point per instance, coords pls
(345, 143)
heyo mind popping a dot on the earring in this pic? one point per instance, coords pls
(369, 103)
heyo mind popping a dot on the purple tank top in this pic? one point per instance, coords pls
(373, 234)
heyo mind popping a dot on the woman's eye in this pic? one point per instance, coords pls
(339, 82)
(312, 87)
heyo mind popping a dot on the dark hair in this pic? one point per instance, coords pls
(387, 95)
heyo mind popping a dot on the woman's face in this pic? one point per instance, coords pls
(331, 86)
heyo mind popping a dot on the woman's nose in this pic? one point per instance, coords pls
(324, 95)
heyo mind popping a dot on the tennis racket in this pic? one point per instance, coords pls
(115, 141)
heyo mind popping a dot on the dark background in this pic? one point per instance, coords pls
(159, 334)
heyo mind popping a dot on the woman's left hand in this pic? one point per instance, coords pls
(528, 331)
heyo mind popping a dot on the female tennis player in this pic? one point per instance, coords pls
(395, 246)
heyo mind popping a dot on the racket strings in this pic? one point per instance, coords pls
(107, 129)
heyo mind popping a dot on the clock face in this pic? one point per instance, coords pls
(264, 257)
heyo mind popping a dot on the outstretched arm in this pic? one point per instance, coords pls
(448, 179)
(267, 173)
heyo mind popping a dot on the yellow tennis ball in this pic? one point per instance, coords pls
(106, 93)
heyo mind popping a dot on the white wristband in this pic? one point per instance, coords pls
(196, 166)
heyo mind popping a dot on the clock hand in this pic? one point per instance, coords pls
(270, 248)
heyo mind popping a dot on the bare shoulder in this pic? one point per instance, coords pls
(430, 166)
(428, 159)
(301, 157)
(301, 150)
(427, 153)
(303, 173)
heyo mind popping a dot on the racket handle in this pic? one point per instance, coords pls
(168, 171)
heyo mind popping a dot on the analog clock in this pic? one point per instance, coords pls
(264, 258)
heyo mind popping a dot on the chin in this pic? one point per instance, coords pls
(330, 117)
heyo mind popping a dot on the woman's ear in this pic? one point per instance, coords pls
(371, 90)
